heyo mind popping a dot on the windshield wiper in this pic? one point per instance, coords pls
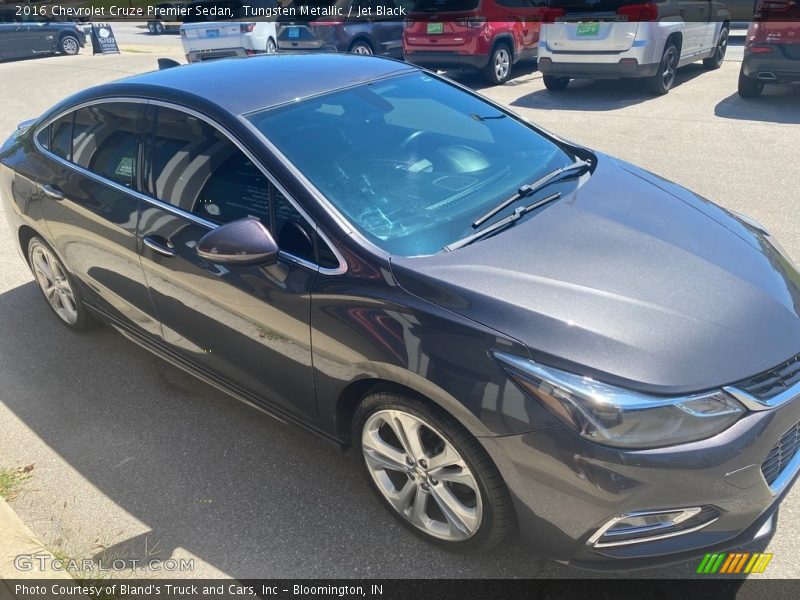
(502, 223)
(527, 190)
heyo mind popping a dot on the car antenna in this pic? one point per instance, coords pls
(167, 63)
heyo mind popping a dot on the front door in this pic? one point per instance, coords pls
(247, 325)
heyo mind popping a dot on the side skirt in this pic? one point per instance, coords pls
(221, 384)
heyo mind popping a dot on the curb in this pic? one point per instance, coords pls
(17, 539)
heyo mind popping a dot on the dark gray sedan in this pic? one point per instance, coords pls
(518, 335)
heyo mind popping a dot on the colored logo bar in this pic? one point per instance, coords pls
(734, 562)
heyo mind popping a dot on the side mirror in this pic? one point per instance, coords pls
(242, 242)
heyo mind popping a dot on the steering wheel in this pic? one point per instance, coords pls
(413, 139)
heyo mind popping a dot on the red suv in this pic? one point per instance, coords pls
(487, 35)
(772, 48)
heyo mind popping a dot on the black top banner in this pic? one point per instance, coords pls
(456, 11)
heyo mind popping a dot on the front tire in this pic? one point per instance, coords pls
(749, 87)
(361, 47)
(431, 473)
(715, 61)
(272, 47)
(57, 286)
(69, 45)
(555, 84)
(662, 82)
(498, 70)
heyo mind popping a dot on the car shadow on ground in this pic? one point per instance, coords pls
(206, 473)
(776, 104)
(601, 94)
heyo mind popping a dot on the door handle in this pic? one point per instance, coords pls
(159, 245)
(53, 191)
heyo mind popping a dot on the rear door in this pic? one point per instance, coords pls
(695, 14)
(89, 175)
(39, 37)
(11, 38)
(591, 27)
(245, 325)
(526, 17)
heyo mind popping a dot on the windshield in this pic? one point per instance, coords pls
(410, 161)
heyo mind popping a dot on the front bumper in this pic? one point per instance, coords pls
(565, 488)
(625, 68)
(774, 67)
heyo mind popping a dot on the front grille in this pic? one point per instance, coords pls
(770, 383)
(782, 454)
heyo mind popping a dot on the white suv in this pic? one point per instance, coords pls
(609, 39)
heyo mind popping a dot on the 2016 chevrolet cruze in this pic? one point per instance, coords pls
(517, 333)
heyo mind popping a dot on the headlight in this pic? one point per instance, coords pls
(617, 417)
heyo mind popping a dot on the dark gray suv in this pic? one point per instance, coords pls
(22, 37)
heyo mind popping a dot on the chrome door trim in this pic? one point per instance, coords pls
(340, 269)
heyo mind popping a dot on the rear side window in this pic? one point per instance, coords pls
(105, 141)
(61, 136)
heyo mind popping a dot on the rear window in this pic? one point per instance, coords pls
(443, 6)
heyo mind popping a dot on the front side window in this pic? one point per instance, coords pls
(410, 161)
(105, 141)
(198, 169)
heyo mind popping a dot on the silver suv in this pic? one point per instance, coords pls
(609, 39)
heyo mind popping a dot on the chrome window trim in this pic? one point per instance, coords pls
(342, 268)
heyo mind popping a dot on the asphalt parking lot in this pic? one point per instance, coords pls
(131, 453)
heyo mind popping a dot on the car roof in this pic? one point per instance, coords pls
(243, 85)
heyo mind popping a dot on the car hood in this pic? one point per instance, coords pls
(631, 279)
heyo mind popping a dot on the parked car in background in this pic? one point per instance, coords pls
(209, 40)
(613, 39)
(167, 18)
(772, 47)
(377, 34)
(516, 334)
(485, 35)
(21, 37)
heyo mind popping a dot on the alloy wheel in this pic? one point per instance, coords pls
(69, 45)
(670, 66)
(362, 49)
(502, 63)
(54, 284)
(722, 46)
(271, 47)
(422, 475)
